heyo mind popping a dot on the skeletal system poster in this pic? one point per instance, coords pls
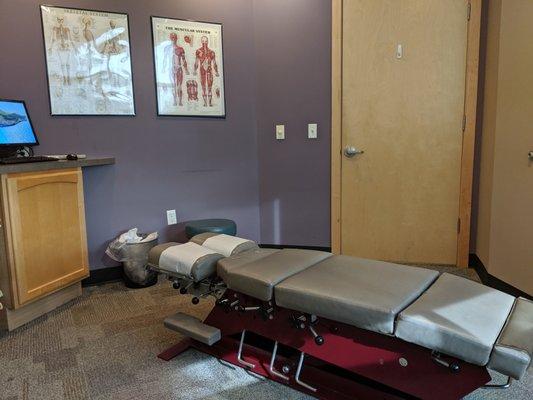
(189, 67)
(88, 62)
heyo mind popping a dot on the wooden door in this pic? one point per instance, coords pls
(403, 92)
(45, 228)
(509, 118)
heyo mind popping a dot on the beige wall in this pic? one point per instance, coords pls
(504, 240)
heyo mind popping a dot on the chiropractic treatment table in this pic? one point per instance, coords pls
(339, 327)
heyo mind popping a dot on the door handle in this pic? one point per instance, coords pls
(350, 151)
(530, 155)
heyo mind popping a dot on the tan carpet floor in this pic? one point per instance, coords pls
(104, 346)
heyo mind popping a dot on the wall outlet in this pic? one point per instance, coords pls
(312, 131)
(171, 217)
(280, 132)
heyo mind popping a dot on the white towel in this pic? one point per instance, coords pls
(181, 258)
(224, 244)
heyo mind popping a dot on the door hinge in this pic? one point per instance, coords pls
(468, 11)
(464, 122)
(458, 225)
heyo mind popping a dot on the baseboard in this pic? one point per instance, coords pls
(492, 281)
(290, 246)
(12, 319)
(103, 275)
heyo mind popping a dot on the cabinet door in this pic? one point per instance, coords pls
(47, 243)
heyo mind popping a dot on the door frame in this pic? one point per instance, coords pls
(467, 155)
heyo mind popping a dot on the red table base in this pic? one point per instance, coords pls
(351, 364)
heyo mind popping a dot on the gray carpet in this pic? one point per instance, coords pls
(104, 345)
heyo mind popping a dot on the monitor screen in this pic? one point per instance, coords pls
(15, 124)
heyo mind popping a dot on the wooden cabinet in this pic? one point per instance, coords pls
(43, 230)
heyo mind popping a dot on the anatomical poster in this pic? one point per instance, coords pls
(189, 68)
(88, 62)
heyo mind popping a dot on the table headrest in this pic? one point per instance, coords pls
(187, 259)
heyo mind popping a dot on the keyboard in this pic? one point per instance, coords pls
(19, 160)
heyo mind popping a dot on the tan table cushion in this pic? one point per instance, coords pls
(224, 244)
(258, 277)
(364, 293)
(514, 348)
(458, 317)
(201, 268)
(225, 265)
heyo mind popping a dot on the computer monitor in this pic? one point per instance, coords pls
(15, 124)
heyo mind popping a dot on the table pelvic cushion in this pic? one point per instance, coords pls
(364, 293)
(258, 277)
(514, 348)
(458, 317)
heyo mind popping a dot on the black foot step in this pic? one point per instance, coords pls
(194, 328)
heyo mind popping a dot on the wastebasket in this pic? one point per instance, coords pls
(134, 258)
(135, 261)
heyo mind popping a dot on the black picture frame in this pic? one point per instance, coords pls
(11, 145)
(134, 113)
(223, 77)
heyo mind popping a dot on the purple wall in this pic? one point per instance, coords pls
(201, 167)
(293, 53)
(277, 66)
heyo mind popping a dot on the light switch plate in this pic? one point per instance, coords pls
(280, 132)
(171, 217)
(312, 131)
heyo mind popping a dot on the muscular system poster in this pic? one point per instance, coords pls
(88, 62)
(189, 68)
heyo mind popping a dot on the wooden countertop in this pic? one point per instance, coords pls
(50, 165)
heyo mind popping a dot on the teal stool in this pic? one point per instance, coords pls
(226, 226)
